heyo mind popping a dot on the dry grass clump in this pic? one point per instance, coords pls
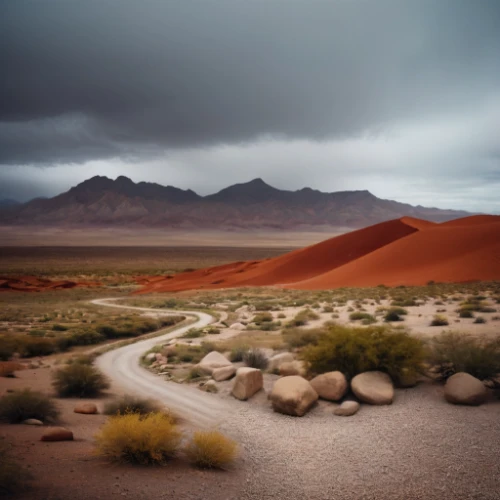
(211, 449)
(141, 439)
(21, 405)
(302, 318)
(439, 320)
(7, 368)
(255, 358)
(79, 380)
(13, 478)
(131, 404)
(356, 350)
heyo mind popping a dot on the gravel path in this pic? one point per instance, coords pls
(418, 448)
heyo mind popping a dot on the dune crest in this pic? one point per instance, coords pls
(404, 251)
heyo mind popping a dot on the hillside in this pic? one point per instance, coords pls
(404, 251)
(101, 201)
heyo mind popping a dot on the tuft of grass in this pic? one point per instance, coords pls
(366, 318)
(21, 405)
(193, 333)
(480, 320)
(131, 404)
(255, 358)
(302, 318)
(13, 478)
(353, 350)
(237, 353)
(299, 337)
(395, 314)
(465, 313)
(439, 320)
(211, 449)
(140, 439)
(79, 380)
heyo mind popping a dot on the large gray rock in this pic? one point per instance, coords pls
(224, 373)
(247, 382)
(375, 388)
(331, 385)
(293, 395)
(278, 359)
(464, 389)
(347, 408)
(212, 361)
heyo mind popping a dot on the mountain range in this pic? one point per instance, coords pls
(101, 201)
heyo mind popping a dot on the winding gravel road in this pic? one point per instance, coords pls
(122, 366)
(418, 448)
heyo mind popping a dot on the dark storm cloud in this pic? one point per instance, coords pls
(102, 79)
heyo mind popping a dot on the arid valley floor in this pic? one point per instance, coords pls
(418, 447)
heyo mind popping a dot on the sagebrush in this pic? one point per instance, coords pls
(21, 405)
(79, 380)
(211, 449)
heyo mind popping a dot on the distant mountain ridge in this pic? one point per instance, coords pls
(102, 201)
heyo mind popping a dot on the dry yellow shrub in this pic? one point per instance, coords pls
(211, 449)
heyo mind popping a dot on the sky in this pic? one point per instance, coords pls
(400, 97)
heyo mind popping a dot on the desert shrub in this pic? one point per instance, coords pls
(299, 337)
(465, 313)
(281, 316)
(211, 449)
(453, 352)
(37, 333)
(185, 353)
(142, 439)
(79, 380)
(328, 309)
(195, 373)
(439, 320)
(262, 318)
(391, 316)
(264, 306)
(255, 358)
(21, 405)
(302, 318)
(356, 350)
(367, 319)
(131, 404)
(83, 359)
(7, 368)
(237, 353)
(404, 302)
(480, 320)
(29, 347)
(213, 330)
(59, 328)
(13, 478)
(193, 333)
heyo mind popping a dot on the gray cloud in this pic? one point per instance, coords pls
(310, 88)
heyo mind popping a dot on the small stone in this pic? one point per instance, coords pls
(32, 421)
(347, 408)
(86, 408)
(57, 434)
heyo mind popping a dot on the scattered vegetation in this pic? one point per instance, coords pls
(131, 404)
(356, 350)
(366, 318)
(237, 353)
(480, 320)
(141, 439)
(439, 320)
(21, 405)
(302, 318)
(79, 380)
(211, 449)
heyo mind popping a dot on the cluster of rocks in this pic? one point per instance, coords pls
(292, 394)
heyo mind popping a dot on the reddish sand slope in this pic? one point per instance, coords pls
(400, 252)
(34, 284)
(295, 266)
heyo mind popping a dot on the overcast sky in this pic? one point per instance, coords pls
(401, 97)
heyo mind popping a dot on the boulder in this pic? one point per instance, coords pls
(248, 381)
(375, 388)
(278, 359)
(57, 434)
(347, 408)
(293, 395)
(151, 356)
(292, 368)
(86, 408)
(32, 421)
(224, 373)
(237, 326)
(331, 385)
(464, 389)
(212, 361)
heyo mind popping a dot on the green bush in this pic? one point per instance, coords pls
(79, 380)
(131, 404)
(300, 337)
(193, 333)
(141, 439)
(255, 358)
(13, 478)
(21, 405)
(453, 352)
(262, 318)
(302, 318)
(465, 313)
(479, 320)
(366, 318)
(356, 350)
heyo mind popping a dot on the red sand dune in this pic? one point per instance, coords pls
(406, 251)
(34, 284)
